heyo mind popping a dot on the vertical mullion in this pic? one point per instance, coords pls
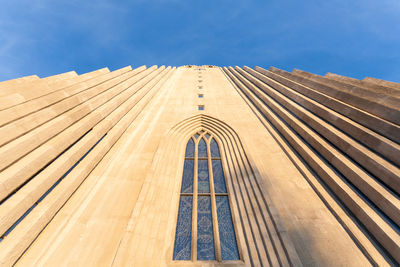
(217, 245)
(194, 211)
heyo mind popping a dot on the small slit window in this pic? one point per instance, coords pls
(200, 95)
(204, 230)
(201, 107)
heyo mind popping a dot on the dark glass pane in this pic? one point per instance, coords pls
(205, 237)
(190, 149)
(202, 149)
(183, 237)
(196, 136)
(214, 149)
(218, 174)
(203, 179)
(229, 249)
(207, 136)
(187, 177)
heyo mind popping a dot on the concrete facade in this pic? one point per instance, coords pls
(91, 165)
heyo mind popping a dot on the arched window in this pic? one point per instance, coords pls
(204, 228)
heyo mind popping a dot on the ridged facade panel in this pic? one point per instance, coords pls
(91, 165)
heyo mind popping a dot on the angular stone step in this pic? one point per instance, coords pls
(15, 206)
(364, 84)
(378, 143)
(384, 83)
(8, 87)
(17, 81)
(25, 143)
(14, 245)
(382, 169)
(383, 98)
(387, 113)
(377, 226)
(13, 95)
(291, 113)
(10, 114)
(357, 232)
(25, 124)
(42, 87)
(383, 127)
(16, 174)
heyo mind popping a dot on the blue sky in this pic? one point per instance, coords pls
(356, 38)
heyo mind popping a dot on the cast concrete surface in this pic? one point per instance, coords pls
(91, 165)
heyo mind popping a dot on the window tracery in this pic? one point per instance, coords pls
(205, 229)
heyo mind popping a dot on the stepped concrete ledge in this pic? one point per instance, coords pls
(112, 168)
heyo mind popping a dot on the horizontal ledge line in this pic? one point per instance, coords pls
(202, 158)
(204, 194)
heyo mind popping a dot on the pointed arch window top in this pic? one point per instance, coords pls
(219, 179)
(202, 149)
(187, 177)
(190, 149)
(214, 149)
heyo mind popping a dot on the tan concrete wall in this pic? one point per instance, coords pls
(124, 209)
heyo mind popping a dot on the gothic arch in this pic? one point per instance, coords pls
(261, 238)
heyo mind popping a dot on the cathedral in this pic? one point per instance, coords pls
(199, 166)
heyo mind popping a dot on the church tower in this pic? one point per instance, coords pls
(199, 166)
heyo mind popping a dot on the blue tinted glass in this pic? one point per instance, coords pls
(196, 136)
(203, 179)
(218, 174)
(187, 177)
(214, 149)
(183, 237)
(207, 136)
(190, 149)
(229, 249)
(202, 149)
(205, 237)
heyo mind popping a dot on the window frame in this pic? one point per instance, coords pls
(217, 244)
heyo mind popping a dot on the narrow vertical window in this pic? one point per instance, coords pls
(183, 236)
(219, 179)
(205, 236)
(190, 149)
(203, 180)
(202, 148)
(229, 249)
(214, 149)
(204, 216)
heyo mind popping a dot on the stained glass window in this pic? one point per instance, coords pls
(214, 149)
(213, 215)
(183, 237)
(205, 237)
(202, 176)
(187, 177)
(229, 250)
(190, 149)
(202, 149)
(219, 179)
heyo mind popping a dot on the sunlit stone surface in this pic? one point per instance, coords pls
(93, 169)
